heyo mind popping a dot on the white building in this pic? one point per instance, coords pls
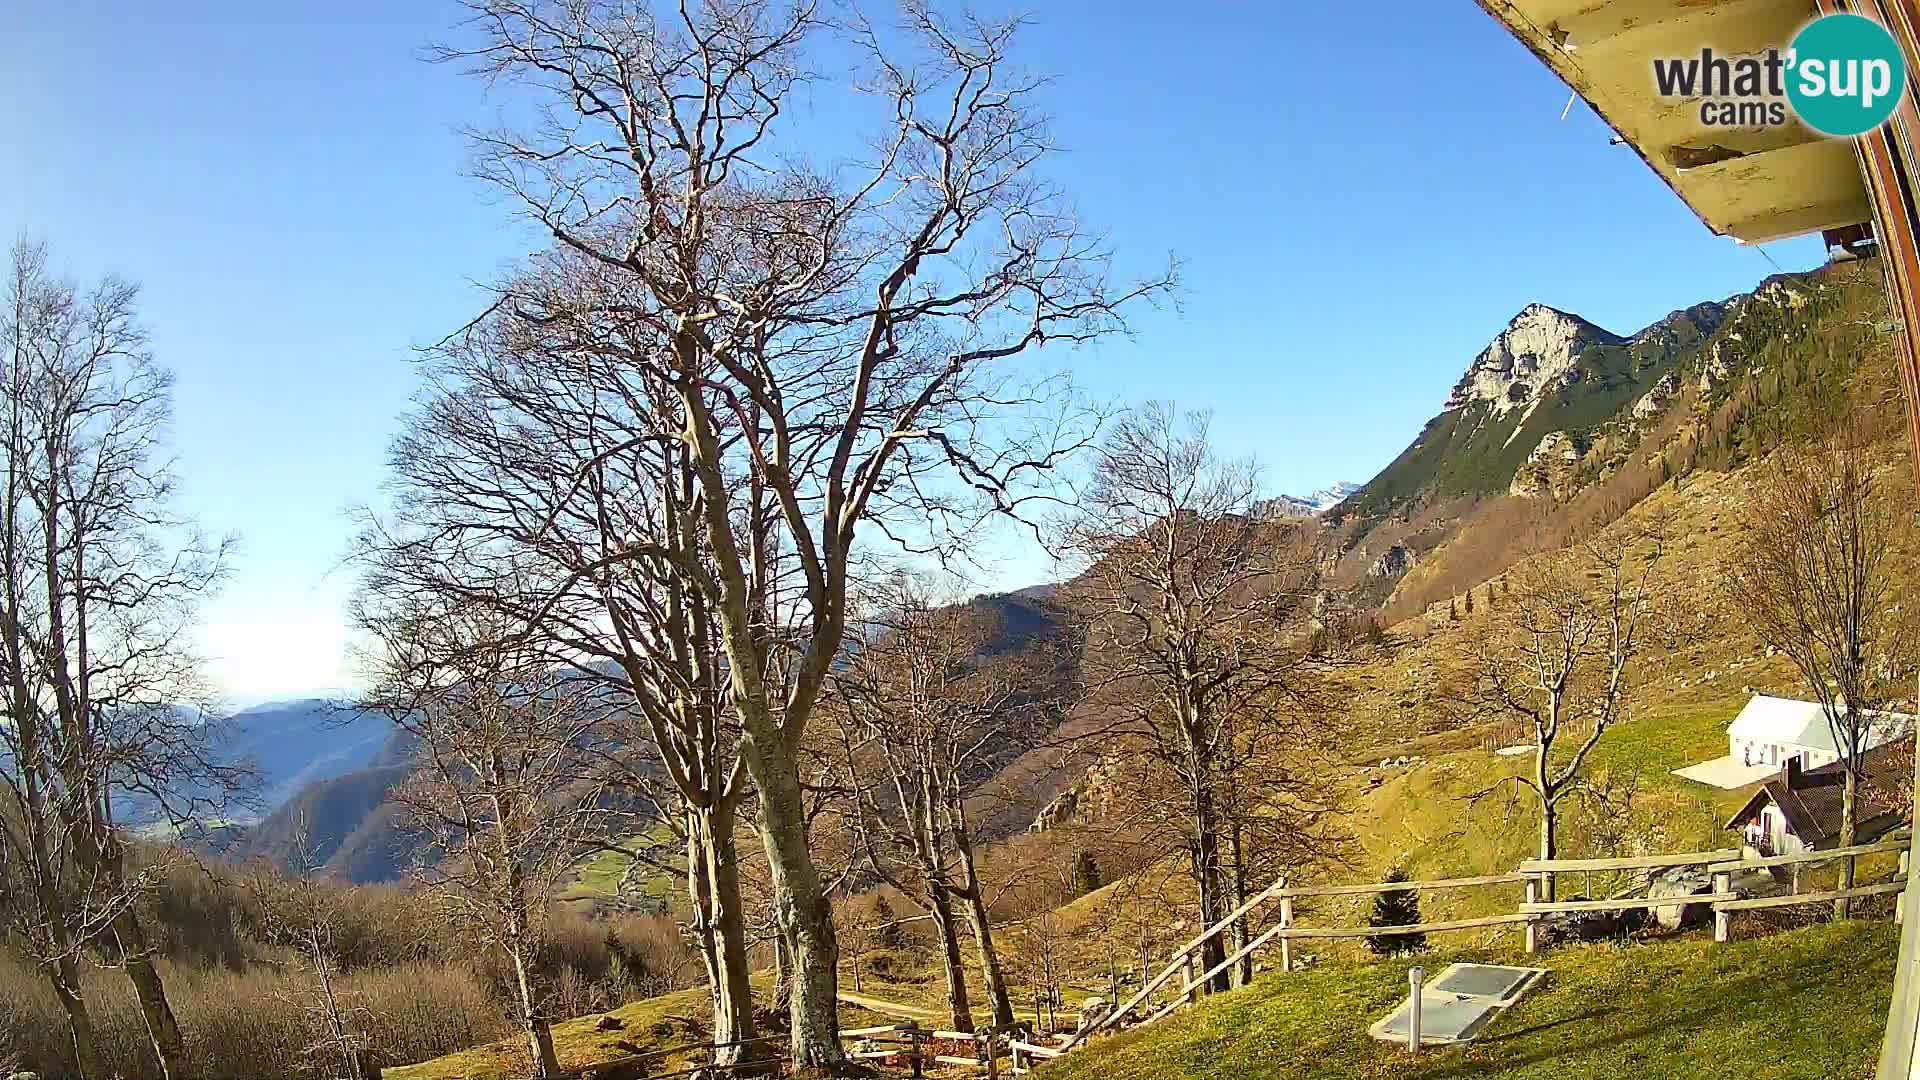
(1772, 731)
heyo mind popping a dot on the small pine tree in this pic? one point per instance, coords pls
(1469, 601)
(886, 929)
(1453, 613)
(1489, 594)
(1397, 908)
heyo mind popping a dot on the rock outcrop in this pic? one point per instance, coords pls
(1656, 397)
(1538, 352)
(1395, 561)
(1089, 797)
(1549, 469)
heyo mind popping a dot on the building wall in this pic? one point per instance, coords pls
(1775, 754)
(1780, 839)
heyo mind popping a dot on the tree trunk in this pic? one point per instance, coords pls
(997, 995)
(1549, 845)
(806, 920)
(714, 861)
(999, 999)
(1242, 972)
(64, 975)
(533, 1021)
(1849, 831)
(940, 905)
(1206, 854)
(163, 1029)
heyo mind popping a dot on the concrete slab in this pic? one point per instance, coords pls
(1726, 773)
(1458, 1004)
(1492, 981)
(1444, 1019)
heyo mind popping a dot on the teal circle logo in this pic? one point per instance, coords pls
(1847, 75)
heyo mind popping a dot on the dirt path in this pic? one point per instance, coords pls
(888, 1008)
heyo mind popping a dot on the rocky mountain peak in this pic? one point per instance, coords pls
(1539, 350)
(1317, 503)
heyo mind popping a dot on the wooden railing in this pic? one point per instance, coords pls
(1534, 876)
(911, 1046)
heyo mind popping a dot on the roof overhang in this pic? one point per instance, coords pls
(1754, 184)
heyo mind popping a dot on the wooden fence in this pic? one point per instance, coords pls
(1536, 879)
(915, 1049)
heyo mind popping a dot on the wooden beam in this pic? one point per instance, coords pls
(1305, 932)
(1639, 862)
(1800, 858)
(1629, 903)
(1404, 886)
(1812, 898)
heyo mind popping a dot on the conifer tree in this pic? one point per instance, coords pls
(1397, 908)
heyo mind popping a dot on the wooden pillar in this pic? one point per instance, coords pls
(1722, 918)
(1286, 943)
(1187, 988)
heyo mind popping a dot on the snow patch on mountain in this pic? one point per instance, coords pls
(1320, 501)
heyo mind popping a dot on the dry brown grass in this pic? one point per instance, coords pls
(247, 1025)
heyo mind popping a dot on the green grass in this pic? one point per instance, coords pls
(599, 874)
(1809, 1003)
(1453, 815)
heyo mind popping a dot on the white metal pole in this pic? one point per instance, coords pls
(1414, 978)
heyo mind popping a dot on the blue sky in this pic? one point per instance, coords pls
(1360, 207)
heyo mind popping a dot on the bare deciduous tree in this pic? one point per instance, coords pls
(301, 914)
(829, 339)
(1198, 609)
(508, 789)
(98, 585)
(1818, 575)
(1558, 655)
(927, 708)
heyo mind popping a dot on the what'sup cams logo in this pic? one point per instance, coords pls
(1842, 76)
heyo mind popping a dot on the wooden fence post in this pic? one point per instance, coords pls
(1187, 988)
(913, 1046)
(1286, 943)
(1722, 918)
(1533, 921)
